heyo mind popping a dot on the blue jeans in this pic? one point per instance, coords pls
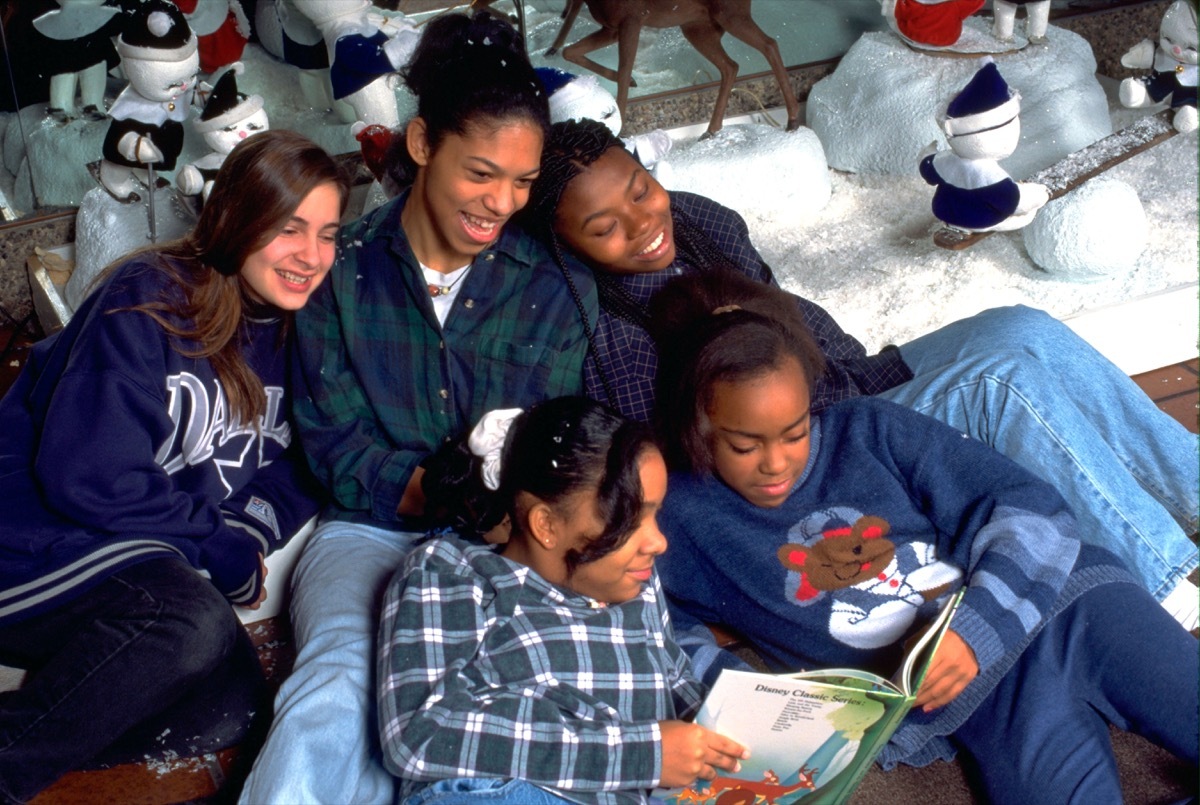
(475, 791)
(324, 743)
(1024, 383)
(151, 661)
(1111, 657)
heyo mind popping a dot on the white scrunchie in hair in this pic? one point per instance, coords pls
(487, 442)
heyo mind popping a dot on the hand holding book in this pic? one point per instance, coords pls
(690, 751)
(950, 671)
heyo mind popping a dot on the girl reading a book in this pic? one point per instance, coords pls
(543, 670)
(828, 538)
(1013, 377)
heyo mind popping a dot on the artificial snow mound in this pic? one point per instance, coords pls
(1097, 231)
(106, 229)
(882, 106)
(756, 169)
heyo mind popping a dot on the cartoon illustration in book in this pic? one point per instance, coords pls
(748, 791)
(876, 590)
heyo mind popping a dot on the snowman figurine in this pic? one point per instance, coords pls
(573, 97)
(929, 23)
(292, 38)
(1174, 67)
(1037, 19)
(79, 52)
(158, 56)
(228, 118)
(982, 126)
(362, 56)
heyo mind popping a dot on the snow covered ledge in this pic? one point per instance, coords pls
(1146, 333)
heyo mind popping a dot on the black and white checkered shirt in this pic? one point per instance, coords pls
(488, 670)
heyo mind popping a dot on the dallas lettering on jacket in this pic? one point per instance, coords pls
(205, 430)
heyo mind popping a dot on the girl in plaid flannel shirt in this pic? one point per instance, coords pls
(543, 670)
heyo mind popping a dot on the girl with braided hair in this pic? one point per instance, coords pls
(1013, 377)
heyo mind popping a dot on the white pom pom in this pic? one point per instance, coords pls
(159, 23)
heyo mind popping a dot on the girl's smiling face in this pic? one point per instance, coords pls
(616, 217)
(620, 575)
(467, 188)
(760, 433)
(286, 271)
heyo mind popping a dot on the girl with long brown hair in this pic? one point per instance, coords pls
(147, 467)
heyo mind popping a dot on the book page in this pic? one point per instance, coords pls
(802, 734)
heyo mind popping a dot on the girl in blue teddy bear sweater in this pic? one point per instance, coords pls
(827, 539)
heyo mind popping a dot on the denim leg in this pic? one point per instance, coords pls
(1024, 383)
(324, 743)
(113, 660)
(483, 791)
(1113, 656)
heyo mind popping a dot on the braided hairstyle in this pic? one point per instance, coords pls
(571, 147)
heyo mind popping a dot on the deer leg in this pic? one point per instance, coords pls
(746, 29)
(627, 45)
(705, 37)
(577, 53)
(568, 16)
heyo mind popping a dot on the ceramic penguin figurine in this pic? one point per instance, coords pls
(222, 29)
(78, 51)
(982, 126)
(158, 56)
(575, 97)
(929, 23)
(228, 118)
(1037, 19)
(1173, 62)
(362, 57)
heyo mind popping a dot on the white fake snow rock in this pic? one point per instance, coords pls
(880, 109)
(1094, 232)
(734, 166)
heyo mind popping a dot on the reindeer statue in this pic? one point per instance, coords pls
(702, 22)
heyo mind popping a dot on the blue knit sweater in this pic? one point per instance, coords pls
(893, 512)
(115, 448)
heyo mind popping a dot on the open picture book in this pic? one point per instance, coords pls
(812, 735)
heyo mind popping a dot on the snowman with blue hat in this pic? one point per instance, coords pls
(982, 126)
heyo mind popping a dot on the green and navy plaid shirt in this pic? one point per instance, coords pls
(380, 384)
(488, 670)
